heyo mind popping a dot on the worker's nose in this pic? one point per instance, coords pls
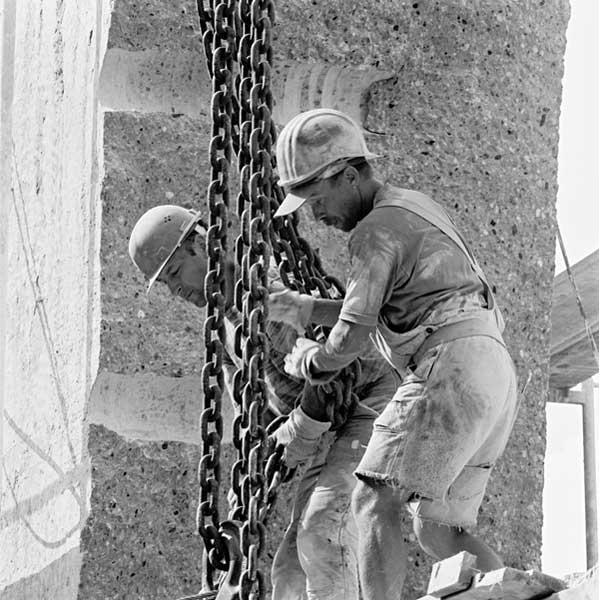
(175, 288)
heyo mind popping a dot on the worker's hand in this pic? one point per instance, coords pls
(299, 435)
(290, 307)
(298, 362)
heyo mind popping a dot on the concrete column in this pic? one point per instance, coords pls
(49, 272)
(471, 118)
(590, 472)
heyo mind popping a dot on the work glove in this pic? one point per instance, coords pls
(290, 307)
(299, 361)
(299, 435)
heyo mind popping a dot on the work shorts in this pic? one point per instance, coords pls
(448, 423)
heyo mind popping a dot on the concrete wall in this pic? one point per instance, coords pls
(472, 119)
(469, 116)
(50, 172)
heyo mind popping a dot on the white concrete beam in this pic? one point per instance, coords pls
(178, 83)
(152, 407)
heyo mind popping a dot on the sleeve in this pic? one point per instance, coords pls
(281, 390)
(375, 259)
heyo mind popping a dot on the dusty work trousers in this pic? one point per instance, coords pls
(317, 558)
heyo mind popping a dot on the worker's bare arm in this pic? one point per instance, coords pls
(346, 341)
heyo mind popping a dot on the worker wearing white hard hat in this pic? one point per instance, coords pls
(317, 556)
(416, 288)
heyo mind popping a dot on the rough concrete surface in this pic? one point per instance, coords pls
(470, 117)
(49, 247)
(139, 539)
(150, 159)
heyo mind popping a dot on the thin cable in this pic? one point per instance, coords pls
(587, 327)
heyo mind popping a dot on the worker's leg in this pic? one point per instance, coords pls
(442, 541)
(287, 574)
(382, 549)
(441, 415)
(441, 525)
(288, 577)
(327, 537)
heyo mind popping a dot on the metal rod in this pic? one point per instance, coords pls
(590, 472)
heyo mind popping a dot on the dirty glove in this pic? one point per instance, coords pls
(298, 362)
(290, 307)
(299, 435)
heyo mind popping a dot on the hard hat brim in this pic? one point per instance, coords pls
(291, 203)
(190, 227)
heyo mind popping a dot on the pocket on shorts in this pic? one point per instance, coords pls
(422, 371)
(393, 419)
(471, 482)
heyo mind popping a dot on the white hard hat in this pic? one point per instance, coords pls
(158, 234)
(315, 145)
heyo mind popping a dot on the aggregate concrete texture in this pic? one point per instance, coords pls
(50, 171)
(470, 117)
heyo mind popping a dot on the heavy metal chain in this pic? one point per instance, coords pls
(243, 121)
(219, 34)
(252, 250)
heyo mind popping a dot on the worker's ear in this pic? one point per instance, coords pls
(351, 175)
(189, 245)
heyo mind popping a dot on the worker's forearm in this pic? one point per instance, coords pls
(326, 312)
(346, 341)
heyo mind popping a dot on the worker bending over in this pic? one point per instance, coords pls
(317, 558)
(416, 288)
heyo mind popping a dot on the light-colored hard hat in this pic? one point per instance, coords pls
(315, 145)
(157, 236)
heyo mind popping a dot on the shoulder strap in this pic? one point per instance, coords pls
(431, 211)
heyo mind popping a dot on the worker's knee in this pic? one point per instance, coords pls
(319, 531)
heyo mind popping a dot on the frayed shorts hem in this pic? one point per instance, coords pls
(435, 512)
(375, 479)
(423, 506)
(459, 523)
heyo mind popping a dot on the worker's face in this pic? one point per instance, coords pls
(334, 201)
(185, 272)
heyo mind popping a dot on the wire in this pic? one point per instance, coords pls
(587, 327)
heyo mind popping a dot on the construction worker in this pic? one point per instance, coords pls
(415, 287)
(317, 557)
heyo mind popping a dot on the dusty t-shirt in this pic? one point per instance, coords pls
(284, 390)
(407, 277)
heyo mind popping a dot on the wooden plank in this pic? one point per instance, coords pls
(511, 584)
(452, 575)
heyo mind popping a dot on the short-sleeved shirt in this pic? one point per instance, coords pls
(407, 275)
